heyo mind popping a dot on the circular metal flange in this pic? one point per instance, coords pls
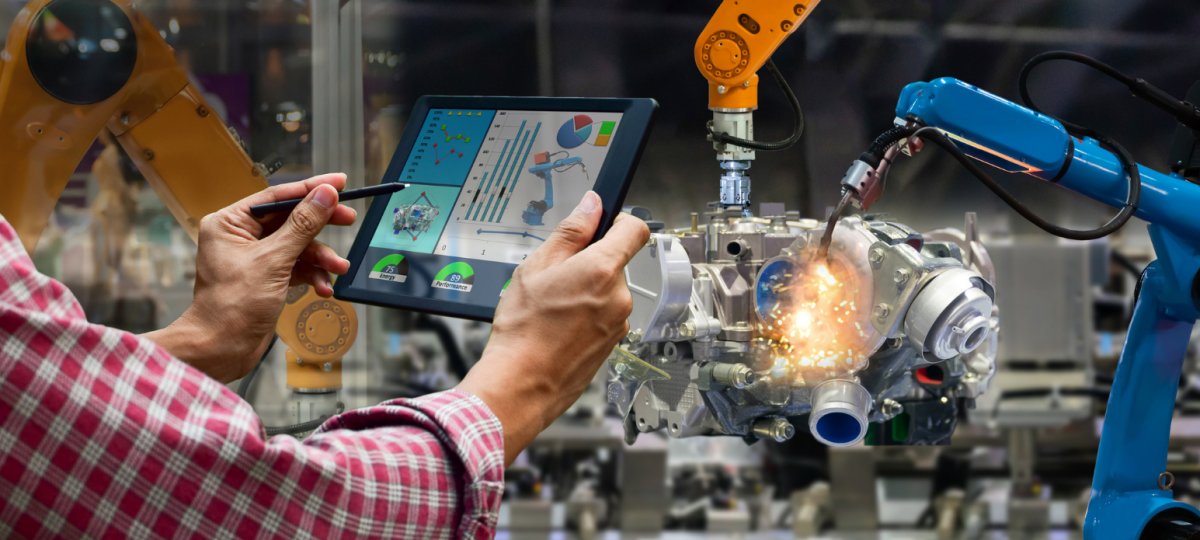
(317, 329)
(725, 55)
(81, 51)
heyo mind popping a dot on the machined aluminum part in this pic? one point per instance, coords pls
(952, 315)
(840, 410)
(709, 369)
(738, 124)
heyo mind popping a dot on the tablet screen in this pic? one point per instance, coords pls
(486, 188)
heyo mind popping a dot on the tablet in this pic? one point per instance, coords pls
(489, 179)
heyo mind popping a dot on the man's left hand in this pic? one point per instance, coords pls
(244, 267)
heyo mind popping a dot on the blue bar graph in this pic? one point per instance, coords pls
(520, 171)
(501, 176)
(486, 189)
(515, 173)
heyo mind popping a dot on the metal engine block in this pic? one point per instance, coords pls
(740, 326)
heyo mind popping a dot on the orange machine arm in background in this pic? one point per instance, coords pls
(738, 41)
(72, 68)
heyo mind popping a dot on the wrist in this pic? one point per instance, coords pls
(524, 403)
(193, 343)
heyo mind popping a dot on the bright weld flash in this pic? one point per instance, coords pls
(815, 326)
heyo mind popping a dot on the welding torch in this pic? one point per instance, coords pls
(863, 183)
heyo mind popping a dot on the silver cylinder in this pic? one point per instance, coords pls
(735, 375)
(776, 429)
(950, 316)
(735, 183)
(840, 411)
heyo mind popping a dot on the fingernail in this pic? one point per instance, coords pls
(589, 204)
(325, 198)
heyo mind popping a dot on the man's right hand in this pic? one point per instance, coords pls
(559, 319)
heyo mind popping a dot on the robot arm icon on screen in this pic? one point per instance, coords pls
(545, 164)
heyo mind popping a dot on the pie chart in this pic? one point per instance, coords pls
(575, 132)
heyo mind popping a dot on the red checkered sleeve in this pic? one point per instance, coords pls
(104, 435)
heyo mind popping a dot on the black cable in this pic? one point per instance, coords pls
(1126, 264)
(768, 146)
(879, 147)
(295, 428)
(248, 380)
(1119, 220)
(1184, 112)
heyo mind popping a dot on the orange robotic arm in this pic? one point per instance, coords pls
(72, 68)
(738, 41)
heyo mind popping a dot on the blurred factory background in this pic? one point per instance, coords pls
(317, 85)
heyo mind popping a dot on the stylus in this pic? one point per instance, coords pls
(261, 210)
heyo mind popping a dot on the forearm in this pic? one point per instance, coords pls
(202, 349)
(522, 402)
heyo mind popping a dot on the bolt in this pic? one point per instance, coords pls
(327, 366)
(735, 375)
(721, 89)
(125, 119)
(891, 408)
(635, 336)
(875, 257)
(902, 276)
(621, 368)
(746, 84)
(776, 429)
(202, 111)
(882, 311)
(687, 329)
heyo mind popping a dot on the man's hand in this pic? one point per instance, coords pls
(563, 313)
(244, 266)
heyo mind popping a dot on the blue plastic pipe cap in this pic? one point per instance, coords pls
(840, 409)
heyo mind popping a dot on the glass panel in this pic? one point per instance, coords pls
(111, 238)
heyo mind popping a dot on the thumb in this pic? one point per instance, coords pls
(306, 221)
(573, 233)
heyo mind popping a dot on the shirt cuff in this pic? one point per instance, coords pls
(469, 431)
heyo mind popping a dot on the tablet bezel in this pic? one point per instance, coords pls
(612, 183)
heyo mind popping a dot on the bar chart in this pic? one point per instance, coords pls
(501, 172)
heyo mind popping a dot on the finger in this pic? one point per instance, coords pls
(343, 216)
(324, 257)
(239, 212)
(572, 234)
(294, 190)
(627, 236)
(307, 274)
(305, 222)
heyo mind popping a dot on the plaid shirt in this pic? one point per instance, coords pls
(104, 434)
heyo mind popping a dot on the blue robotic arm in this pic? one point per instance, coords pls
(537, 209)
(1131, 488)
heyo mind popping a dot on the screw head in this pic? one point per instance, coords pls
(875, 257)
(882, 311)
(327, 366)
(891, 408)
(902, 276)
(721, 89)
